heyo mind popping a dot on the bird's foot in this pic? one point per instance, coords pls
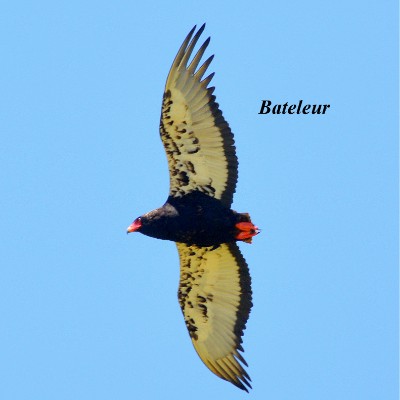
(246, 231)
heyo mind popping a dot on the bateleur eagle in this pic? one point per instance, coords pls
(215, 286)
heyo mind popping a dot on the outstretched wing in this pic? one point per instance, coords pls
(215, 297)
(197, 139)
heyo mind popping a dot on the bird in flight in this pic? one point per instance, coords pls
(215, 286)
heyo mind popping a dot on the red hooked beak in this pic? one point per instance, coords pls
(136, 225)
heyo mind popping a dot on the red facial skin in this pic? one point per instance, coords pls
(135, 226)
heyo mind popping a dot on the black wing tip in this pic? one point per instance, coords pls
(202, 27)
(199, 32)
(241, 380)
(188, 46)
(242, 383)
(191, 31)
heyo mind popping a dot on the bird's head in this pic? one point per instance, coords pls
(135, 225)
(153, 223)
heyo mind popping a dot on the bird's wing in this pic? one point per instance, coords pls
(197, 139)
(215, 297)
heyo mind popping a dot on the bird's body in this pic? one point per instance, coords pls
(215, 286)
(194, 218)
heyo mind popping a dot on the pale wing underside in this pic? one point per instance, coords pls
(197, 139)
(215, 297)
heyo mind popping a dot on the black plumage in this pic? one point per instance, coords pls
(194, 218)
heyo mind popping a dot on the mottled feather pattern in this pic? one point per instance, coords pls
(198, 141)
(215, 297)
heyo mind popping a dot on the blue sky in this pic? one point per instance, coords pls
(91, 313)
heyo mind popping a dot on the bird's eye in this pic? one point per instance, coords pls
(138, 221)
